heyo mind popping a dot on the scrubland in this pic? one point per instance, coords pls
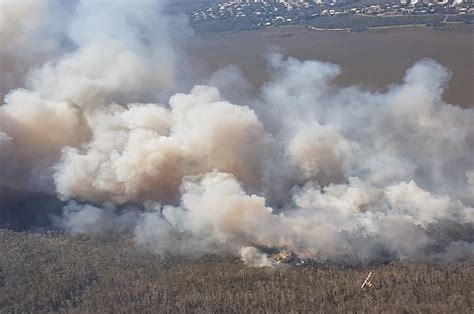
(61, 273)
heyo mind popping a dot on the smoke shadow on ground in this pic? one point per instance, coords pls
(24, 210)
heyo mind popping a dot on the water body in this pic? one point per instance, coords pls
(371, 59)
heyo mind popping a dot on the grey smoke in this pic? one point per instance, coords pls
(303, 164)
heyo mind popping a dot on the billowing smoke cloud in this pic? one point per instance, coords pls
(109, 123)
(29, 36)
(111, 54)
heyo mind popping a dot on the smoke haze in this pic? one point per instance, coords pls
(99, 108)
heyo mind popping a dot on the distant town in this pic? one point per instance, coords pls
(351, 15)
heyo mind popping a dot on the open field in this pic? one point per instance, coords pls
(57, 273)
(373, 59)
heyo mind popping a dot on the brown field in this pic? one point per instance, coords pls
(57, 273)
(372, 59)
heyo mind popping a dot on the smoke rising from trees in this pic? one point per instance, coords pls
(98, 109)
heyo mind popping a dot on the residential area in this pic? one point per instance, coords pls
(330, 14)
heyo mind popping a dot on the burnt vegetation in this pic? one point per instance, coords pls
(60, 273)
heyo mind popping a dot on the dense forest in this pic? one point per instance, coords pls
(42, 273)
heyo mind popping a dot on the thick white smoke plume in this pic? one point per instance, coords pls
(103, 117)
